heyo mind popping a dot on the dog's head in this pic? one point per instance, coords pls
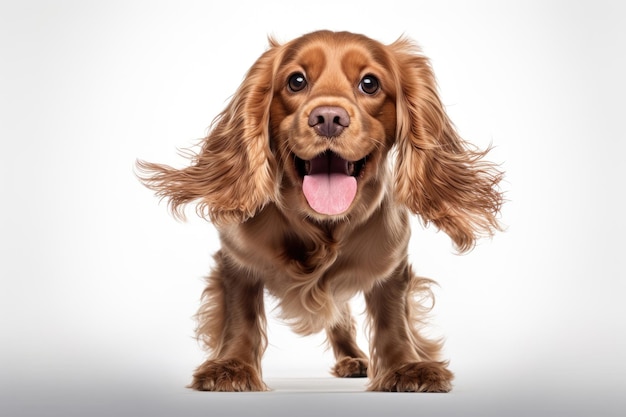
(332, 123)
(310, 129)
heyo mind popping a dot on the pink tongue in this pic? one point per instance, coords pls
(329, 193)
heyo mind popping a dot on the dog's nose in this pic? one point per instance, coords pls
(329, 121)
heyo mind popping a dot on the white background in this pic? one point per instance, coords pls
(99, 283)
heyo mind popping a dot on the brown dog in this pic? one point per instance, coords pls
(297, 176)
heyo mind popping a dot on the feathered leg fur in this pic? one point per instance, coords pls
(402, 359)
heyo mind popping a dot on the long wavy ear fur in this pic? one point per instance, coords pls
(439, 176)
(234, 174)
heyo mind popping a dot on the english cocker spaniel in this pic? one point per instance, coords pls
(310, 174)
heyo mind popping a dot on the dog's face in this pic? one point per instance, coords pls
(333, 119)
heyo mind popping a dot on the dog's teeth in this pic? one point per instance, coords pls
(307, 167)
(350, 168)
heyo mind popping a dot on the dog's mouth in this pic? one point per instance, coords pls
(331, 163)
(329, 182)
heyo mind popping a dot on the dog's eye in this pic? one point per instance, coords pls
(297, 82)
(369, 85)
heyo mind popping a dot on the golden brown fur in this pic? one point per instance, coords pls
(248, 179)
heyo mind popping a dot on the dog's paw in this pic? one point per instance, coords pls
(351, 368)
(227, 375)
(415, 377)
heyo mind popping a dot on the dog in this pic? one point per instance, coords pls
(310, 175)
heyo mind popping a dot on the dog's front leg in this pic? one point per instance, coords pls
(231, 323)
(401, 358)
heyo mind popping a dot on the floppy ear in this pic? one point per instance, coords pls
(234, 174)
(438, 175)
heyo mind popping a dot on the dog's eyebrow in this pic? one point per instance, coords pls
(289, 54)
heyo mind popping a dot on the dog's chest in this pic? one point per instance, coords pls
(309, 258)
(335, 266)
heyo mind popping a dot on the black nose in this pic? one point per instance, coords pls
(329, 121)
